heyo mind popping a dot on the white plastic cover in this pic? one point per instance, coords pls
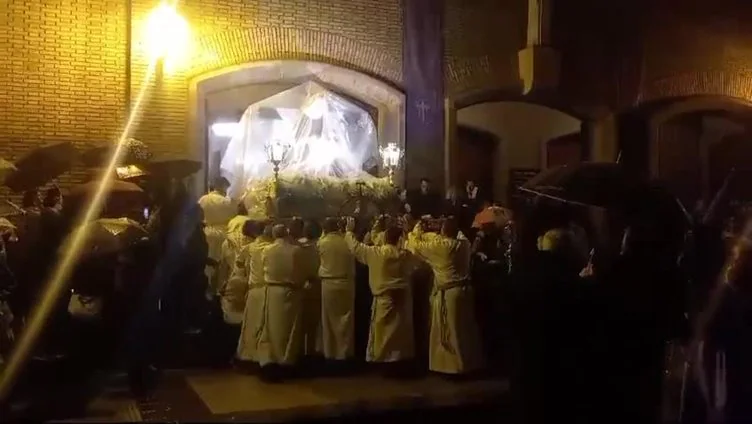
(328, 136)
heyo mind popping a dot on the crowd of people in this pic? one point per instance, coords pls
(277, 295)
(581, 334)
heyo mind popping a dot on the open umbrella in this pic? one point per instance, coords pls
(588, 183)
(6, 226)
(173, 168)
(117, 188)
(492, 215)
(42, 165)
(108, 236)
(135, 152)
(607, 185)
(6, 168)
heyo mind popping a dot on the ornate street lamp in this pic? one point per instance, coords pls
(391, 155)
(276, 150)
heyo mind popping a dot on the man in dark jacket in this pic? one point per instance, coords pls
(424, 201)
(549, 306)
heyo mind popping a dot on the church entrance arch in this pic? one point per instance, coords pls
(218, 99)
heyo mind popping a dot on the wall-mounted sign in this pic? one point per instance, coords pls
(518, 177)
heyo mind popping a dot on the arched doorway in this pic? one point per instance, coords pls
(222, 96)
(522, 131)
(693, 143)
(477, 160)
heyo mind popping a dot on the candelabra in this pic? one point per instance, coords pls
(391, 155)
(276, 150)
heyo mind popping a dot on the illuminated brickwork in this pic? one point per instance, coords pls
(703, 83)
(358, 34)
(710, 51)
(62, 73)
(482, 38)
(63, 65)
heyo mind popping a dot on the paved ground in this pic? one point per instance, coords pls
(226, 396)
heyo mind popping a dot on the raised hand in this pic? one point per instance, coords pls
(350, 224)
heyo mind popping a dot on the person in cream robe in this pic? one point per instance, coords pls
(253, 271)
(241, 217)
(218, 211)
(391, 335)
(454, 339)
(337, 274)
(233, 274)
(281, 337)
(375, 237)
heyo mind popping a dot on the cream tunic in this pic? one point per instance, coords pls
(374, 238)
(218, 210)
(454, 340)
(254, 305)
(337, 274)
(282, 335)
(391, 337)
(233, 278)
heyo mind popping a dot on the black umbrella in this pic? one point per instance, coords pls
(607, 185)
(589, 183)
(135, 152)
(107, 236)
(42, 165)
(173, 168)
(115, 189)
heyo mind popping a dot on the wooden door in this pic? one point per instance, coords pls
(564, 150)
(476, 156)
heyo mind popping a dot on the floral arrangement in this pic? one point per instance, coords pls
(136, 151)
(309, 196)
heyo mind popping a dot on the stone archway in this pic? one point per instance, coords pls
(710, 83)
(521, 145)
(683, 106)
(471, 98)
(237, 83)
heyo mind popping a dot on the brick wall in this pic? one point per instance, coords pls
(482, 38)
(704, 49)
(63, 64)
(358, 34)
(62, 74)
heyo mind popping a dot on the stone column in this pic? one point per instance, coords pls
(451, 149)
(539, 22)
(423, 73)
(539, 63)
(601, 139)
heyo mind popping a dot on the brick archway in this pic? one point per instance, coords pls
(473, 97)
(167, 117)
(231, 48)
(368, 90)
(699, 83)
(683, 106)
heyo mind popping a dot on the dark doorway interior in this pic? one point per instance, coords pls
(477, 153)
(564, 150)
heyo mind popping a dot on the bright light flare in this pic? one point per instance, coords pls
(390, 155)
(225, 129)
(316, 108)
(322, 154)
(56, 285)
(277, 150)
(166, 36)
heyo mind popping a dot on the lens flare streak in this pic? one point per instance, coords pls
(57, 283)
